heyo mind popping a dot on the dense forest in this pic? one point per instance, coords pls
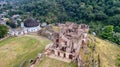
(103, 16)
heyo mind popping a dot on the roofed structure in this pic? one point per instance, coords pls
(30, 22)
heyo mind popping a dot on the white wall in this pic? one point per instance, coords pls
(24, 31)
(32, 29)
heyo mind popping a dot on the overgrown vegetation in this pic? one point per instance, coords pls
(3, 31)
(109, 53)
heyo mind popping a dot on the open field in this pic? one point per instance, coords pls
(15, 50)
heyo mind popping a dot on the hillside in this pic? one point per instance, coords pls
(102, 17)
(109, 53)
(21, 50)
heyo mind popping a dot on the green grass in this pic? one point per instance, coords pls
(118, 61)
(108, 53)
(6, 41)
(14, 50)
(48, 62)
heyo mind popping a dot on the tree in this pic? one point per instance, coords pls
(117, 29)
(99, 14)
(116, 38)
(107, 32)
(115, 20)
(3, 30)
(11, 24)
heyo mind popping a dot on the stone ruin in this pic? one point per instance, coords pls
(48, 32)
(68, 41)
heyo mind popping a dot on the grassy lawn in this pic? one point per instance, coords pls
(15, 50)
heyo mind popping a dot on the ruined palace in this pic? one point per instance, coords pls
(68, 41)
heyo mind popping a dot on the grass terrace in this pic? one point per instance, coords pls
(15, 50)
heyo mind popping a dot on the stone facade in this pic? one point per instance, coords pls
(69, 40)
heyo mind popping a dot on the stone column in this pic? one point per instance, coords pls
(62, 55)
(67, 55)
(56, 52)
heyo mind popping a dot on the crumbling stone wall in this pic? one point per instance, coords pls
(68, 41)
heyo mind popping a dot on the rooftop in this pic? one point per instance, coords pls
(31, 22)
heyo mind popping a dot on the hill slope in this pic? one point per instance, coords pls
(21, 49)
(109, 53)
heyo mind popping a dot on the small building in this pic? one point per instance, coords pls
(31, 25)
(28, 26)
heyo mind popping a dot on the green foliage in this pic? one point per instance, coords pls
(3, 31)
(118, 61)
(115, 20)
(116, 38)
(85, 11)
(99, 14)
(117, 29)
(96, 27)
(107, 32)
(15, 12)
(11, 24)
